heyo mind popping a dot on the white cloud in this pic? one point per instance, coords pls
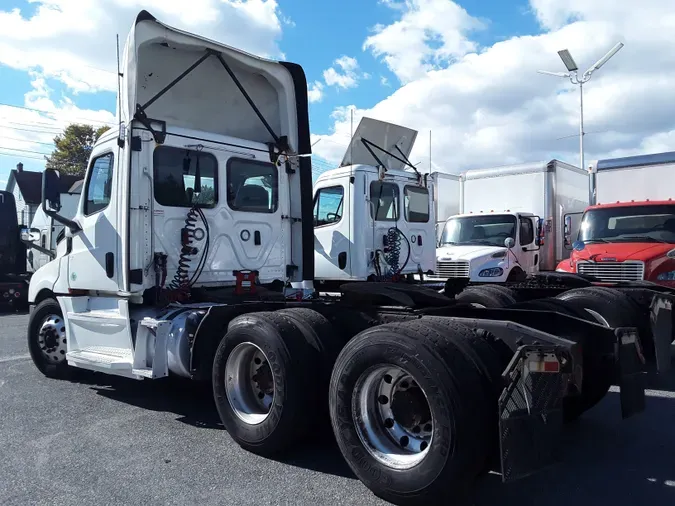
(347, 75)
(74, 40)
(491, 107)
(27, 134)
(315, 92)
(384, 81)
(429, 34)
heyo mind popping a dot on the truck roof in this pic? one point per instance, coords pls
(492, 213)
(520, 168)
(636, 161)
(351, 169)
(632, 203)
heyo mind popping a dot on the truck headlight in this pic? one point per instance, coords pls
(491, 273)
(499, 254)
(666, 276)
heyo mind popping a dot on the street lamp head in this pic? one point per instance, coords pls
(605, 58)
(567, 59)
(556, 74)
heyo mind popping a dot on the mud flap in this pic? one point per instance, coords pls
(631, 373)
(530, 410)
(661, 319)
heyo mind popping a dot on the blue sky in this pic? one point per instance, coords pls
(464, 70)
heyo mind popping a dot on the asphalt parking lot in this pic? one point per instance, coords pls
(103, 440)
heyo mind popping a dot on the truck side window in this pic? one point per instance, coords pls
(526, 231)
(328, 205)
(99, 184)
(252, 186)
(174, 177)
(416, 204)
(384, 199)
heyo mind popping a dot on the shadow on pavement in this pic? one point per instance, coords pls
(193, 404)
(604, 461)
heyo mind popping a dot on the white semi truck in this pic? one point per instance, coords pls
(371, 223)
(192, 254)
(511, 221)
(48, 233)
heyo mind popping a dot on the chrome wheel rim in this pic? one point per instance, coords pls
(52, 339)
(392, 416)
(249, 383)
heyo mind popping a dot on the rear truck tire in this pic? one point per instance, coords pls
(485, 296)
(409, 414)
(320, 335)
(609, 308)
(266, 382)
(47, 340)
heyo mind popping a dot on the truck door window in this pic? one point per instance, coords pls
(416, 204)
(99, 184)
(526, 231)
(384, 201)
(252, 186)
(328, 205)
(174, 177)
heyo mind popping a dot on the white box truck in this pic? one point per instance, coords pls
(511, 221)
(445, 189)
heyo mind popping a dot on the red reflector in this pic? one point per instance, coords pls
(551, 366)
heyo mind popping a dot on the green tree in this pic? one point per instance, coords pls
(73, 148)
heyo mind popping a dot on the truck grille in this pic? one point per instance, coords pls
(453, 269)
(613, 271)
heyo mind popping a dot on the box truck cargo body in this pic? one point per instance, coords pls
(525, 203)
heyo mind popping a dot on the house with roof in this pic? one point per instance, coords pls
(26, 186)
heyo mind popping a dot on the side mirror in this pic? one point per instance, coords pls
(51, 198)
(578, 245)
(509, 242)
(30, 234)
(51, 190)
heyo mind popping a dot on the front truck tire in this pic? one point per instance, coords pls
(410, 414)
(486, 296)
(47, 340)
(267, 382)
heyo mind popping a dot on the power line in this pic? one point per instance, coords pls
(52, 112)
(41, 124)
(32, 130)
(25, 151)
(18, 155)
(28, 140)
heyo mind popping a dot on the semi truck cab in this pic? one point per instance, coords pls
(625, 241)
(374, 220)
(489, 247)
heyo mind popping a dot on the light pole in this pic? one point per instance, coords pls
(573, 76)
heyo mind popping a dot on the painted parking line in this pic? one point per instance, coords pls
(14, 358)
(663, 394)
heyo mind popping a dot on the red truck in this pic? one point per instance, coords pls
(628, 234)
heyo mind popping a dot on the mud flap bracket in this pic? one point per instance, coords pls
(631, 373)
(661, 319)
(530, 409)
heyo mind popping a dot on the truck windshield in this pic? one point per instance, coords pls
(651, 223)
(490, 230)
